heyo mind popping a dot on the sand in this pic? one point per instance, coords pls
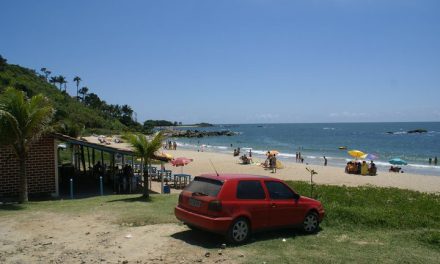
(296, 171)
(91, 237)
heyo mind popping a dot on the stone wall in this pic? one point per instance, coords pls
(40, 169)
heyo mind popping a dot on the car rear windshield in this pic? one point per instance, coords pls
(204, 186)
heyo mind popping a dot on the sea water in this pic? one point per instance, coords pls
(324, 139)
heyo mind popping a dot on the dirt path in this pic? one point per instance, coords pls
(58, 238)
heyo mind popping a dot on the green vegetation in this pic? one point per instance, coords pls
(74, 115)
(22, 122)
(127, 209)
(145, 149)
(362, 225)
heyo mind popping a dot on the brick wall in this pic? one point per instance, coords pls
(40, 169)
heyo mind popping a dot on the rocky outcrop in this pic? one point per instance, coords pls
(418, 131)
(198, 134)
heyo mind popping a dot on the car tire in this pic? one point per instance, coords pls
(239, 231)
(311, 223)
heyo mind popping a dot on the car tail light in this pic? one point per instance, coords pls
(215, 206)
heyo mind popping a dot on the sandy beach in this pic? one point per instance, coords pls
(295, 171)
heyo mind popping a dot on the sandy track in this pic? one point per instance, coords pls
(59, 238)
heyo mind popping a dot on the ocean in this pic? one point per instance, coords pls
(324, 139)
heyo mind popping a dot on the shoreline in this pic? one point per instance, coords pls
(331, 175)
(316, 158)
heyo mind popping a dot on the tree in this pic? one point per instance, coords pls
(22, 122)
(45, 72)
(93, 101)
(145, 149)
(62, 80)
(3, 62)
(77, 79)
(53, 80)
(83, 91)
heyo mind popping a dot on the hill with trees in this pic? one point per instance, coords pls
(84, 112)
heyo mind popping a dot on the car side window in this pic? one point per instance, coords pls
(279, 191)
(250, 190)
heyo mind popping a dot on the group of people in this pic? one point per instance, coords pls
(356, 167)
(245, 158)
(236, 152)
(433, 162)
(170, 145)
(299, 158)
(271, 162)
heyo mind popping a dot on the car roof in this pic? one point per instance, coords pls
(235, 176)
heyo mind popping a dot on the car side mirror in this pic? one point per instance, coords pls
(296, 197)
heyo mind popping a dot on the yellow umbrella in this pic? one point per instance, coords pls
(166, 155)
(356, 153)
(272, 152)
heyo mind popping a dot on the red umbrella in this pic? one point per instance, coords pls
(181, 161)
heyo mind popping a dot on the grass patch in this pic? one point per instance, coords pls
(374, 207)
(362, 225)
(129, 209)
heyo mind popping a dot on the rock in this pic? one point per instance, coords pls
(241, 256)
(207, 254)
(417, 131)
(197, 134)
(223, 246)
(220, 252)
(87, 233)
(125, 262)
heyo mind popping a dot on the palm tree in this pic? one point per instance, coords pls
(43, 70)
(53, 80)
(46, 72)
(22, 122)
(145, 149)
(77, 79)
(61, 81)
(84, 92)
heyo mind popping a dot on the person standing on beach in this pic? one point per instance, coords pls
(430, 161)
(325, 161)
(274, 164)
(435, 160)
(296, 156)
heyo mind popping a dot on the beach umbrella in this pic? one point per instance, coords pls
(272, 152)
(369, 157)
(163, 157)
(397, 161)
(356, 153)
(181, 161)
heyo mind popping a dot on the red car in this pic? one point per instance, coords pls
(237, 204)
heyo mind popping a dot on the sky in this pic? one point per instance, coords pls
(248, 61)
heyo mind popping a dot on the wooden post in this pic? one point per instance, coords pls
(113, 170)
(88, 157)
(93, 156)
(83, 159)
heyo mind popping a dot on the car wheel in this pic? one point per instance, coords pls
(311, 223)
(239, 231)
